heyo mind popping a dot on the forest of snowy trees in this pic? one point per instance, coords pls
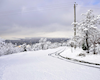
(43, 44)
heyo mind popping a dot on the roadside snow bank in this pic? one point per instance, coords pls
(73, 53)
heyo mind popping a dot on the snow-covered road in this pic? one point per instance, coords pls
(37, 65)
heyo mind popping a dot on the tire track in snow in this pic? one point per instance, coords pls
(75, 61)
(56, 53)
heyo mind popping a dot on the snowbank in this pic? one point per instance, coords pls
(73, 53)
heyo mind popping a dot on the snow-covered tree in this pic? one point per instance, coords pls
(43, 44)
(24, 47)
(47, 45)
(42, 41)
(8, 48)
(28, 47)
(87, 29)
(37, 46)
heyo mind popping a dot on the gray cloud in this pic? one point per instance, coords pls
(34, 18)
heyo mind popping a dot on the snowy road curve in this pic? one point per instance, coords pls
(37, 65)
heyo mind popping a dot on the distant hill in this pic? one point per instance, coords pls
(35, 40)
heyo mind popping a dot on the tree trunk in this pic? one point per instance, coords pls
(42, 46)
(87, 42)
(94, 48)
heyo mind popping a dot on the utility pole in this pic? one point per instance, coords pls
(74, 19)
(74, 23)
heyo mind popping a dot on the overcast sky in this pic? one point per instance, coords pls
(41, 18)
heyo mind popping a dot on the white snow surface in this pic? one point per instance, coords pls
(37, 65)
(73, 53)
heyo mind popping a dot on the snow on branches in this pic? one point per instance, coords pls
(8, 48)
(87, 30)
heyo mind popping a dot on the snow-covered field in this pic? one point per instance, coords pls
(73, 53)
(37, 65)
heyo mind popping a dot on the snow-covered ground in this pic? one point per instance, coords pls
(73, 53)
(37, 65)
